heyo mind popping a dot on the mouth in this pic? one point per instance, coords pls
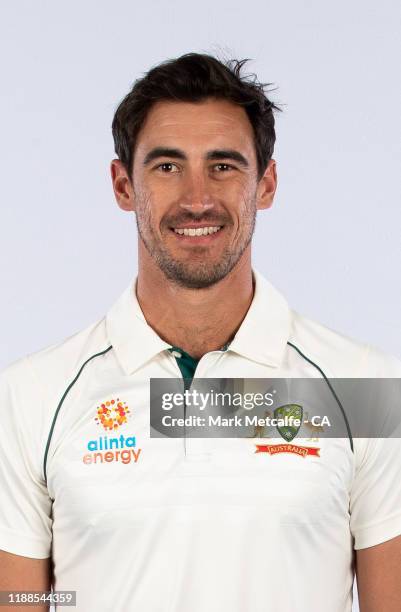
(203, 230)
(197, 234)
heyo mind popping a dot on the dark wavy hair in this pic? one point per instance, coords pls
(193, 77)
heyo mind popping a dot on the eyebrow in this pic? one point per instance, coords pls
(216, 154)
(163, 152)
(228, 154)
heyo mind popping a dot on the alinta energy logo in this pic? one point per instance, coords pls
(111, 415)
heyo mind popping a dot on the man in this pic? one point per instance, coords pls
(134, 522)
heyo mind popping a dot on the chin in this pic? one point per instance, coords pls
(196, 279)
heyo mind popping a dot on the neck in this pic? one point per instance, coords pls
(196, 320)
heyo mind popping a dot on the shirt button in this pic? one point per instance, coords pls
(176, 354)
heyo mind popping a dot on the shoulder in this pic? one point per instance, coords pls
(340, 355)
(31, 388)
(38, 377)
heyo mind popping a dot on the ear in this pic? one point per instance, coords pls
(122, 185)
(267, 186)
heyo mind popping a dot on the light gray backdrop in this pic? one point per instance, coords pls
(332, 241)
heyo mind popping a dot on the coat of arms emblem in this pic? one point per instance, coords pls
(288, 431)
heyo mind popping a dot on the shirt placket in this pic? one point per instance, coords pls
(197, 450)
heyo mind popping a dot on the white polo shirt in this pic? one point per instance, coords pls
(172, 525)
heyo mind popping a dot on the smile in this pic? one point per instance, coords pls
(198, 231)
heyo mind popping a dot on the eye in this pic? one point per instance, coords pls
(223, 167)
(167, 167)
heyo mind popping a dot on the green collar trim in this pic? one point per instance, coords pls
(179, 352)
(186, 362)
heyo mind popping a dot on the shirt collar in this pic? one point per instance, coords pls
(262, 336)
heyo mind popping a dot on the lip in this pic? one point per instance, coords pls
(196, 225)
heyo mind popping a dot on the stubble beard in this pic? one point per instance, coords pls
(198, 273)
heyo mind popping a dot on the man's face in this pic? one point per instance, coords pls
(195, 189)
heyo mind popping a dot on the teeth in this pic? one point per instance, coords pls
(199, 231)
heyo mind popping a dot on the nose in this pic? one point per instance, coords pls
(196, 196)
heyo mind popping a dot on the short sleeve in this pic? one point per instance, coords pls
(375, 503)
(25, 505)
